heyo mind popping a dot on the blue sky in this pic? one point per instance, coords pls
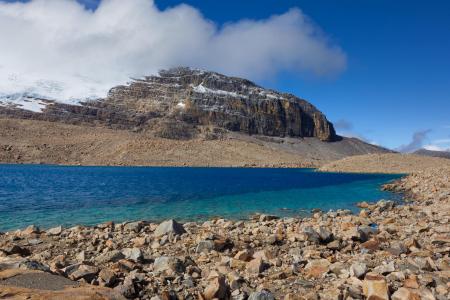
(395, 88)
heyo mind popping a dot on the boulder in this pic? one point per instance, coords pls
(107, 276)
(30, 230)
(317, 268)
(325, 235)
(169, 226)
(311, 234)
(375, 287)
(256, 266)
(133, 226)
(54, 231)
(262, 295)
(86, 272)
(358, 269)
(405, 294)
(168, 263)
(133, 254)
(217, 289)
(110, 256)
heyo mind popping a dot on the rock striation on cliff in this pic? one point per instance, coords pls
(198, 97)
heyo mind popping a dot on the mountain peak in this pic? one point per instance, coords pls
(184, 102)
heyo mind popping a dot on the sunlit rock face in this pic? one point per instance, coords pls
(208, 98)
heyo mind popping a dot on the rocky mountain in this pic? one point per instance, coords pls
(179, 104)
(425, 152)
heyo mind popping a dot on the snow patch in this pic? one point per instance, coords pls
(204, 90)
(181, 105)
(24, 102)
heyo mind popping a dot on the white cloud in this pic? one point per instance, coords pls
(434, 148)
(59, 49)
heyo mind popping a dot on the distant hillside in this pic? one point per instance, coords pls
(425, 152)
(397, 163)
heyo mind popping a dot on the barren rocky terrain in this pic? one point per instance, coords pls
(33, 141)
(395, 163)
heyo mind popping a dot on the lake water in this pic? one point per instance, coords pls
(59, 195)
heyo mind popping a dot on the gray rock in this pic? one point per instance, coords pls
(358, 269)
(365, 232)
(86, 272)
(385, 268)
(265, 218)
(262, 295)
(133, 254)
(204, 246)
(33, 265)
(325, 235)
(16, 249)
(55, 230)
(126, 288)
(133, 226)
(169, 226)
(168, 263)
(311, 234)
(111, 256)
(108, 277)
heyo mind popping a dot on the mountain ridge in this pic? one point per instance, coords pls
(197, 110)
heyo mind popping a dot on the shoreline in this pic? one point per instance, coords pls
(386, 249)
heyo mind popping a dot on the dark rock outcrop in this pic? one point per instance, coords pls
(207, 98)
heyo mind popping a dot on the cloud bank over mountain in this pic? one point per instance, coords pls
(61, 50)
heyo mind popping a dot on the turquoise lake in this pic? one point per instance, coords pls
(47, 195)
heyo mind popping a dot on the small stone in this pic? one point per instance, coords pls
(107, 276)
(110, 256)
(371, 245)
(405, 294)
(30, 230)
(311, 234)
(133, 226)
(266, 218)
(139, 241)
(365, 232)
(385, 268)
(244, 255)
(133, 254)
(262, 295)
(205, 246)
(265, 255)
(81, 256)
(217, 289)
(86, 272)
(325, 235)
(126, 288)
(375, 287)
(168, 263)
(54, 231)
(362, 204)
(256, 266)
(169, 226)
(317, 268)
(358, 269)
(334, 245)
(411, 282)
(16, 249)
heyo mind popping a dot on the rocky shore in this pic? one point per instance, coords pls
(386, 251)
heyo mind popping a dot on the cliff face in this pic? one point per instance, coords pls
(182, 103)
(208, 98)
